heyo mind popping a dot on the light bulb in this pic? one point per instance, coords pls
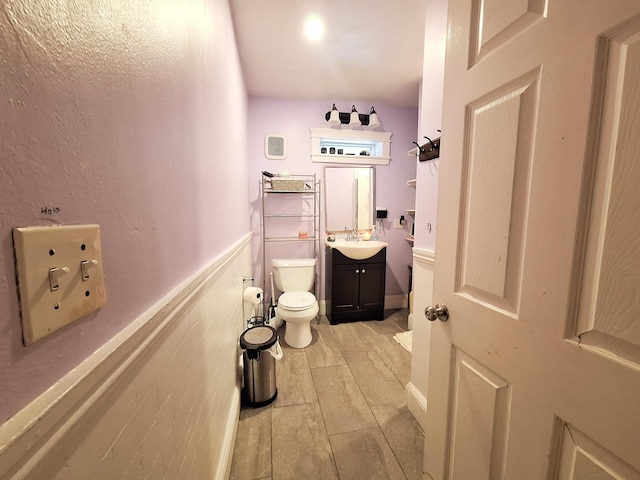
(373, 119)
(355, 118)
(334, 116)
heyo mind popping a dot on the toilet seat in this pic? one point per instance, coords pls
(296, 301)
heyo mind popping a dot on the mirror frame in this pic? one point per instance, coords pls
(326, 196)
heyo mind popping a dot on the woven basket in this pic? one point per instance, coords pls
(290, 184)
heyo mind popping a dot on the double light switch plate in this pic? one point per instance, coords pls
(59, 275)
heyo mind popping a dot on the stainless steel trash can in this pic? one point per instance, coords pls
(259, 365)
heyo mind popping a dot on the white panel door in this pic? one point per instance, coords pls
(536, 373)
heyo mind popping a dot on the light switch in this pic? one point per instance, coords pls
(59, 274)
(54, 277)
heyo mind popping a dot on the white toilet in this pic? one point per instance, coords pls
(297, 305)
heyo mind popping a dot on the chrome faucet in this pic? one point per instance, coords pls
(350, 235)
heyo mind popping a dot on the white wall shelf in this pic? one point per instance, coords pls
(378, 144)
(411, 211)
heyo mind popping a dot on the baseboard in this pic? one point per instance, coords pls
(322, 307)
(417, 404)
(393, 302)
(224, 469)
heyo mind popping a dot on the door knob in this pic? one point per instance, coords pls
(439, 312)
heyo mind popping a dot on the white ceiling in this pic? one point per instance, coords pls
(371, 50)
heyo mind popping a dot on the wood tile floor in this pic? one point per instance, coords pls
(340, 411)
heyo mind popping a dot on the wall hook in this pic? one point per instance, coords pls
(422, 150)
(430, 150)
(433, 146)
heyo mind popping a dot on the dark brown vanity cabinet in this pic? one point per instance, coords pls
(354, 288)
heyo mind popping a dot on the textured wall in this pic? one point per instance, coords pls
(126, 113)
(293, 118)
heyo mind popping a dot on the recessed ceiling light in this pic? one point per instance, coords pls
(314, 28)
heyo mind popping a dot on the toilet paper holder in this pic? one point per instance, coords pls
(253, 295)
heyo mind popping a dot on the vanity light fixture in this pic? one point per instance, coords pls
(353, 119)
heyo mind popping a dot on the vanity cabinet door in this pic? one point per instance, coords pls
(345, 287)
(372, 286)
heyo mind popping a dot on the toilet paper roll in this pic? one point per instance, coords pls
(253, 295)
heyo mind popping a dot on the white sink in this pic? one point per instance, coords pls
(359, 250)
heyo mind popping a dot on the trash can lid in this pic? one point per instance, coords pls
(259, 338)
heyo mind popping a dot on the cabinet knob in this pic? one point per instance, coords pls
(364, 271)
(357, 271)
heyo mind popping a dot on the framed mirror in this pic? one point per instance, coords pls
(349, 193)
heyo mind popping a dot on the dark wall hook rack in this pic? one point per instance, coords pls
(429, 150)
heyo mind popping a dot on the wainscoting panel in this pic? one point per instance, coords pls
(423, 267)
(159, 400)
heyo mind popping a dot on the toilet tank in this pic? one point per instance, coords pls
(294, 274)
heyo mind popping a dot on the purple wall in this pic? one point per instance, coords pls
(293, 119)
(126, 114)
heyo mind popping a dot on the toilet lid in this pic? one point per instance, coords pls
(296, 300)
